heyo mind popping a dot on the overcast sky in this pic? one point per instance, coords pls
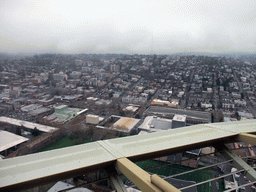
(127, 26)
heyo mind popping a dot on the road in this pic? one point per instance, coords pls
(249, 105)
(215, 91)
(184, 105)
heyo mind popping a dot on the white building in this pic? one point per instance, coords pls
(173, 103)
(206, 105)
(209, 90)
(179, 121)
(60, 76)
(153, 124)
(92, 119)
(240, 103)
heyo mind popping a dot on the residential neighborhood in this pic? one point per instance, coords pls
(33, 85)
(82, 98)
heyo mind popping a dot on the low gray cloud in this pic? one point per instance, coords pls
(118, 26)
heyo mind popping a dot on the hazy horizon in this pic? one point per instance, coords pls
(128, 27)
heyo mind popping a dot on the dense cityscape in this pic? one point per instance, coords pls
(201, 83)
(127, 96)
(80, 98)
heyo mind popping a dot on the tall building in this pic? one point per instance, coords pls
(114, 68)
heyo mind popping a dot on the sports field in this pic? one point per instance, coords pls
(167, 170)
(65, 141)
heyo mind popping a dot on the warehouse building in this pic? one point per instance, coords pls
(125, 124)
(192, 117)
(9, 142)
(63, 113)
(154, 123)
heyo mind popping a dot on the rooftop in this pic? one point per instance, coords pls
(179, 118)
(188, 113)
(27, 124)
(60, 106)
(152, 123)
(31, 107)
(126, 123)
(8, 140)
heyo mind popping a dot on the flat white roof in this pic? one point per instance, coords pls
(8, 140)
(27, 124)
(30, 107)
(132, 108)
(82, 111)
(60, 106)
(91, 115)
(153, 123)
(179, 118)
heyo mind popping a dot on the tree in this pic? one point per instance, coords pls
(110, 95)
(242, 95)
(134, 131)
(18, 131)
(35, 132)
(137, 116)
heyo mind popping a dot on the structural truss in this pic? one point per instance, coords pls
(120, 153)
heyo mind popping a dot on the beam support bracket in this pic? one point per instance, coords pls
(247, 138)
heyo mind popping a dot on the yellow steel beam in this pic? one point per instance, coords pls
(162, 184)
(247, 138)
(137, 175)
(141, 178)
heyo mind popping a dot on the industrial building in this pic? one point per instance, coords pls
(35, 109)
(159, 102)
(192, 117)
(154, 123)
(9, 141)
(125, 124)
(30, 107)
(63, 113)
(27, 124)
(179, 121)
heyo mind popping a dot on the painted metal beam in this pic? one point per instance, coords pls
(247, 138)
(162, 184)
(137, 175)
(250, 173)
(117, 183)
(40, 168)
(142, 179)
